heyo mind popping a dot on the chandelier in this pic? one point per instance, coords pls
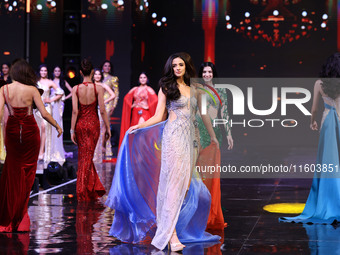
(276, 24)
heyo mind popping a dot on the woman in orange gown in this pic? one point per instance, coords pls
(85, 129)
(22, 144)
(210, 153)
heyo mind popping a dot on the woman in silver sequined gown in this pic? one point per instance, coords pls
(179, 146)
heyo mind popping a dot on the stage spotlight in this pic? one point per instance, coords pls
(249, 28)
(147, 4)
(303, 27)
(53, 4)
(141, 7)
(227, 18)
(15, 3)
(275, 12)
(154, 15)
(6, 1)
(247, 14)
(325, 16)
(104, 6)
(323, 25)
(229, 26)
(39, 7)
(159, 23)
(120, 2)
(163, 19)
(71, 73)
(10, 8)
(304, 13)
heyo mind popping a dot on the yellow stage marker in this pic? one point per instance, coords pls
(293, 208)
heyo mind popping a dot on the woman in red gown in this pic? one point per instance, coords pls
(22, 145)
(85, 129)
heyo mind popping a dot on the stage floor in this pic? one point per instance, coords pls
(60, 226)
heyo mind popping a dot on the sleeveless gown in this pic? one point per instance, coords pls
(22, 145)
(87, 130)
(57, 143)
(152, 175)
(323, 204)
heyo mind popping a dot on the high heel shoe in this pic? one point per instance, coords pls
(176, 246)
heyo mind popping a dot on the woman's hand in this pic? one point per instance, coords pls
(214, 140)
(135, 127)
(47, 101)
(314, 126)
(107, 134)
(73, 138)
(59, 130)
(230, 142)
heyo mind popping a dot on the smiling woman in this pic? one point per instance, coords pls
(163, 199)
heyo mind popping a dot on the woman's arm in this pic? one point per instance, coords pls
(158, 117)
(2, 102)
(206, 119)
(74, 114)
(56, 97)
(69, 88)
(109, 90)
(40, 105)
(315, 106)
(103, 112)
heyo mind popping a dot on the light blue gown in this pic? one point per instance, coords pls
(323, 203)
(153, 171)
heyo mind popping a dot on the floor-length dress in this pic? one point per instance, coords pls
(210, 155)
(323, 204)
(22, 145)
(112, 82)
(48, 127)
(152, 177)
(89, 186)
(57, 143)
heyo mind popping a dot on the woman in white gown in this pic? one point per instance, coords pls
(45, 129)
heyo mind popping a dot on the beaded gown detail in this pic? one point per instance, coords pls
(57, 144)
(87, 131)
(22, 145)
(154, 176)
(323, 205)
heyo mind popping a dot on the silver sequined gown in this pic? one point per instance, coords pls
(175, 174)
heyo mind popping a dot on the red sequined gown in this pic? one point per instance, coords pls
(22, 145)
(87, 131)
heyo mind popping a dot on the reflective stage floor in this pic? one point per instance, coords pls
(59, 225)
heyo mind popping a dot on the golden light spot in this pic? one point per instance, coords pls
(291, 208)
(156, 146)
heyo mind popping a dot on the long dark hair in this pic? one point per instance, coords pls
(22, 72)
(107, 61)
(147, 78)
(168, 82)
(61, 78)
(2, 77)
(41, 66)
(205, 64)
(101, 73)
(331, 69)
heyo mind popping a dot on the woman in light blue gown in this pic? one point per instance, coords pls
(323, 203)
(156, 194)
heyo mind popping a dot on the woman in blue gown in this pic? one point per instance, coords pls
(156, 194)
(323, 203)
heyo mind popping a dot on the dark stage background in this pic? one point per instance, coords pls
(288, 44)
